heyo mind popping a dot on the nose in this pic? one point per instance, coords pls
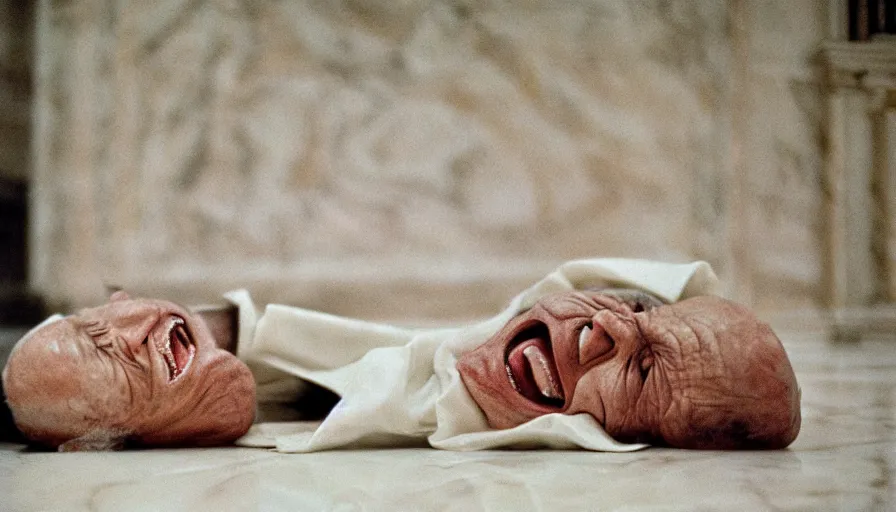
(609, 330)
(594, 340)
(133, 322)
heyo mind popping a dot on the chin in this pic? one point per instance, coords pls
(221, 408)
(485, 380)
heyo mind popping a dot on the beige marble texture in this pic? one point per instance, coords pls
(381, 152)
(778, 189)
(844, 459)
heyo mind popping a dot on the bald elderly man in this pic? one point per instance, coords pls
(603, 354)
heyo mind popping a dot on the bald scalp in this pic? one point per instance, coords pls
(48, 406)
(758, 405)
(69, 423)
(66, 392)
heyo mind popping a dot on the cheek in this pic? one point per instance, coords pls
(169, 401)
(480, 372)
(600, 392)
(482, 368)
(229, 387)
(206, 372)
(113, 396)
(217, 407)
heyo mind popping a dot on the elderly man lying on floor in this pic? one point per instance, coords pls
(602, 354)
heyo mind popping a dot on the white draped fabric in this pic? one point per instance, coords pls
(400, 386)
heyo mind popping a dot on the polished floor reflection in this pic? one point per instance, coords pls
(843, 460)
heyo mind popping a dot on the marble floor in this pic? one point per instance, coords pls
(843, 460)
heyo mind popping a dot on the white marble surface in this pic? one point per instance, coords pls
(842, 460)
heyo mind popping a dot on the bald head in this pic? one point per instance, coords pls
(701, 373)
(138, 371)
(731, 384)
(49, 387)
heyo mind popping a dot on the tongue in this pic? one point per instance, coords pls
(541, 370)
(533, 371)
(179, 348)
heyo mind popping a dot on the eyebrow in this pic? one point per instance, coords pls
(579, 300)
(81, 332)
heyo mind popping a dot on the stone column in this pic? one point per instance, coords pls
(889, 189)
(861, 80)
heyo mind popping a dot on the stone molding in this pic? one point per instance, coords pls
(864, 65)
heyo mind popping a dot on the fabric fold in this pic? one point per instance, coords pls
(400, 387)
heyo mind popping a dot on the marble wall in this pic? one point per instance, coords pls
(778, 118)
(358, 156)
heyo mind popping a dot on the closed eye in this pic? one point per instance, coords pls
(118, 350)
(104, 342)
(96, 328)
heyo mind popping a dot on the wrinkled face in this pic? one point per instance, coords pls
(701, 373)
(145, 368)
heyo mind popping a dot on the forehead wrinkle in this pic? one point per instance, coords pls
(706, 340)
(86, 361)
(695, 338)
(586, 302)
(79, 324)
(705, 377)
(726, 355)
(670, 341)
(554, 305)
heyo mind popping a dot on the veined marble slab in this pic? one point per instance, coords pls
(843, 460)
(283, 145)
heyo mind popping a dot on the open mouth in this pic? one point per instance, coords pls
(176, 348)
(531, 367)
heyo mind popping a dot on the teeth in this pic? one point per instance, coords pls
(543, 378)
(166, 348)
(169, 358)
(583, 337)
(512, 380)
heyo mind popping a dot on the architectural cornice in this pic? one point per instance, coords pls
(866, 65)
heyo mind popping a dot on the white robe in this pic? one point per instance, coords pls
(400, 386)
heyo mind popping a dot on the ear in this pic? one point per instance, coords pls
(95, 441)
(119, 295)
